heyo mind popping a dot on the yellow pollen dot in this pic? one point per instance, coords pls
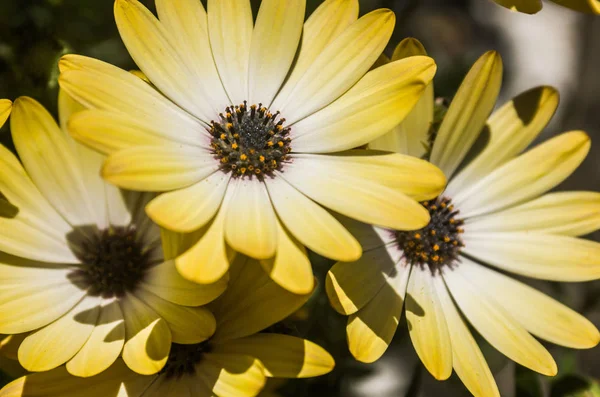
(270, 143)
(443, 205)
(460, 230)
(223, 136)
(417, 236)
(250, 167)
(234, 145)
(243, 170)
(261, 159)
(228, 115)
(446, 239)
(436, 247)
(229, 126)
(280, 143)
(257, 171)
(279, 128)
(236, 135)
(452, 221)
(224, 160)
(252, 151)
(433, 232)
(243, 157)
(436, 258)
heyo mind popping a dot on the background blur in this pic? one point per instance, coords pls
(556, 47)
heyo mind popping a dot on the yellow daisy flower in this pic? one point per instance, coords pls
(235, 361)
(249, 147)
(5, 106)
(81, 266)
(494, 213)
(533, 6)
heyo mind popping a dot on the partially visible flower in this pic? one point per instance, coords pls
(493, 213)
(248, 149)
(5, 106)
(235, 361)
(81, 265)
(533, 6)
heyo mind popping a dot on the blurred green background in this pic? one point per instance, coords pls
(556, 47)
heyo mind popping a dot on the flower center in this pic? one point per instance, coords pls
(250, 140)
(184, 358)
(437, 244)
(114, 262)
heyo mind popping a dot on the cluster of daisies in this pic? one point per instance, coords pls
(153, 241)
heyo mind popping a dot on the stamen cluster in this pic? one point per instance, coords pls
(250, 141)
(437, 244)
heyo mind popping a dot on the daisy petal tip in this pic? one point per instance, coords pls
(186, 266)
(335, 294)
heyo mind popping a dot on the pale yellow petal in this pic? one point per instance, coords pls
(368, 236)
(370, 330)
(104, 345)
(290, 267)
(283, 356)
(351, 285)
(156, 54)
(252, 302)
(535, 311)
(496, 325)
(508, 131)
(51, 161)
(526, 176)
(250, 223)
(148, 338)
(587, 6)
(544, 256)
(164, 281)
(340, 65)
(58, 342)
(188, 325)
(360, 198)
(376, 104)
(427, 324)
(324, 25)
(155, 168)
(190, 208)
(312, 225)
(186, 21)
(526, 6)
(466, 116)
(467, 359)
(5, 106)
(230, 30)
(275, 39)
(231, 375)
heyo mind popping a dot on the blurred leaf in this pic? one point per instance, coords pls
(575, 386)
(528, 383)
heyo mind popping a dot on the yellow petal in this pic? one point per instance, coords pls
(275, 39)
(526, 176)
(565, 213)
(155, 168)
(376, 104)
(186, 22)
(5, 106)
(587, 6)
(409, 47)
(188, 325)
(467, 359)
(371, 329)
(231, 375)
(359, 198)
(351, 285)
(282, 356)
(496, 325)
(312, 225)
(508, 131)
(97, 84)
(340, 65)
(250, 223)
(58, 342)
(59, 383)
(427, 324)
(526, 6)
(252, 302)
(164, 281)
(290, 267)
(148, 338)
(324, 25)
(230, 28)
(545, 256)
(207, 260)
(190, 208)
(537, 312)
(156, 54)
(32, 296)
(466, 116)
(369, 236)
(9, 346)
(104, 345)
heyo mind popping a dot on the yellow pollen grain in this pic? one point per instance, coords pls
(223, 136)
(234, 146)
(433, 232)
(236, 135)
(446, 239)
(229, 126)
(417, 236)
(243, 170)
(261, 159)
(252, 151)
(280, 143)
(270, 143)
(243, 157)
(436, 247)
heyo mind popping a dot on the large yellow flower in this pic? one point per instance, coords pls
(533, 6)
(235, 362)
(250, 146)
(81, 265)
(494, 213)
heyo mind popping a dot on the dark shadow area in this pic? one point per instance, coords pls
(7, 210)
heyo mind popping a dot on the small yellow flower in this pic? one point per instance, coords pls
(81, 266)
(495, 212)
(284, 101)
(246, 349)
(533, 6)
